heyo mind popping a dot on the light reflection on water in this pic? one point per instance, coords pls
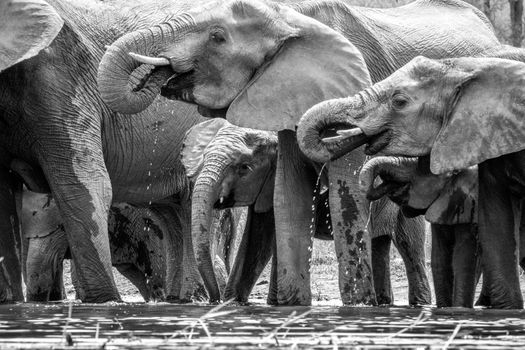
(156, 322)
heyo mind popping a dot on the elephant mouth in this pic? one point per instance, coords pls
(337, 144)
(224, 202)
(180, 87)
(342, 138)
(378, 142)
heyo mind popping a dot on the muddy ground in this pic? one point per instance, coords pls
(326, 325)
(325, 290)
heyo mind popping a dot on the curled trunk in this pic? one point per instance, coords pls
(120, 85)
(321, 121)
(205, 194)
(333, 128)
(395, 172)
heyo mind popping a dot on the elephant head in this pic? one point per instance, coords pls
(265, 62)
(229, 166)
(445, 199)
(460, 111)
(27, 27)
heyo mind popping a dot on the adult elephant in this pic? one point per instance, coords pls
(267, 63)
(247, 179)
(439, 108)
(59, 136)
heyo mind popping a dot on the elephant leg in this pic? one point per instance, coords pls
(74, 166)
(441, 261)
(381, 268)
(253, 255)
(349, 213)
(10, 246)
(464, 266)
(294, 219)
(522, 235)
(45, 257)
(497, 236)
(484, 295)
(186, 274)
(409, 239)
(272, 289)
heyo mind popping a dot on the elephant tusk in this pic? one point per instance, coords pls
(221, 199)
(333, 139)
(350, 132)
(155, 61)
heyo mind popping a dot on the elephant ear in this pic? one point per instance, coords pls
(26, 27)
(264, 201)
(457, 203)
(487, 117)
(313, 65)
(40, 216)
(195, 143)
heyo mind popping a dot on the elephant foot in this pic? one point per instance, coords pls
(384, 299)
(423, 298)
(293, 291)
(353, 294)
(101, 297)
(514, 303)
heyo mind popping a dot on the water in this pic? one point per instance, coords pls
(156, 326)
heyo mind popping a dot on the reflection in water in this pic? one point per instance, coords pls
(119, 326)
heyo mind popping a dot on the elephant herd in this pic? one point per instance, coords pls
(189, 143)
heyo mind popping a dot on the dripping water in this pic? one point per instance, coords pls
(317, 191)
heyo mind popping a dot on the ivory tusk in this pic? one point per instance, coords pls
(155, 61)
(350, 132)
(221, 199)
(333, 139)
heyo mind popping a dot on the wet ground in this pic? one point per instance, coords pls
(164, 326)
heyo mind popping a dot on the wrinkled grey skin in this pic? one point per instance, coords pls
(57, 135)
(439, 108)
(450, 204)
(247, 179)
(138, 238)
(255, 59)
(222, 143)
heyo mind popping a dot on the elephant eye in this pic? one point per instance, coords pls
(399, 101)
(217, 37)
(244, 169)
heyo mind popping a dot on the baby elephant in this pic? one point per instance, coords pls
(449, 204)
(138, 241)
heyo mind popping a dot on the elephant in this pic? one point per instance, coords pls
(449, 203)
(58, 136)
(461, 112)
(138, 246)
(261, 65)
(222, 142)
(247, 179)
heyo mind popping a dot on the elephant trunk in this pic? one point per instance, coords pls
(127, 89)
(205, 194)
(332, 128)
(395, 171)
